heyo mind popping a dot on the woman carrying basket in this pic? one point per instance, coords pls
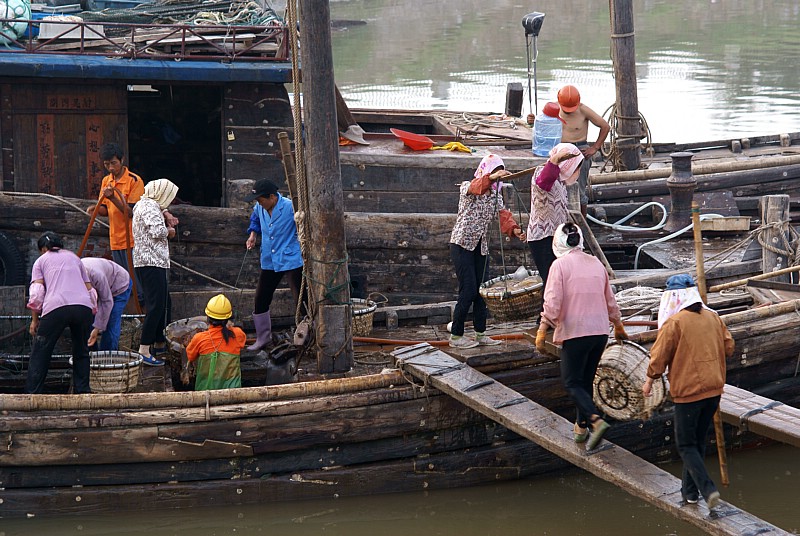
(549, 207)
(579, 304)
(480, 200)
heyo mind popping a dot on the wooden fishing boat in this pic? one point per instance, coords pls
(374, 433)
(371, 431)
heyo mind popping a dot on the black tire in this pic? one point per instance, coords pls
(12, 264)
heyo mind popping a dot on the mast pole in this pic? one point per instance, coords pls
(623, 55)
(329, 281)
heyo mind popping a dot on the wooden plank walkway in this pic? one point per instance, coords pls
(760, 415)
(554, 433)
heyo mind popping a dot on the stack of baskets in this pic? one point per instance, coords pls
(113, 371)
(363, 312)
(511, 299)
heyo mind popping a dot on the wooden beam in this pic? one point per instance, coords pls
(327, 253)
(769, 418)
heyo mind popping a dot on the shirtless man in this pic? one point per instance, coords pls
(575, 129)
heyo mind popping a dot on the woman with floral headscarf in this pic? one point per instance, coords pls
(549, 207)
(480, 200)
(151, 260)
(579, 303)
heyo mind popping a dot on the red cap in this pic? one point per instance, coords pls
(569, 98)
(551, 109)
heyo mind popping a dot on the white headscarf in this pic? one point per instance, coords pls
(560, 246)
(162, 191)
(681, 293)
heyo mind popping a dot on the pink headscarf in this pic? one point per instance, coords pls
(488, 164)
(567, 168)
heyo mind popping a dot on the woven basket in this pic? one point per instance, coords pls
(114, 371)
(363, 311)
(618, 383)
(509, 299)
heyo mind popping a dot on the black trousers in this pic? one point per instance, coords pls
(579, 360)
(543, 257)
(78, 318)
(692, 423)
(471, 270)
(156, 300)
(269, 280)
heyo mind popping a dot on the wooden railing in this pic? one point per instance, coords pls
(152, 41)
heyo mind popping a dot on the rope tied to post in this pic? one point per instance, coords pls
(613, 154)
(789, 238)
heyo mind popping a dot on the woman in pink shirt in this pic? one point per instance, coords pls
(579, 303)
(61, 296)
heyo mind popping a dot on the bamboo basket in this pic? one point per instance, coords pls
(114, 371)
(618, 383)
(509, 299)
(363, 312)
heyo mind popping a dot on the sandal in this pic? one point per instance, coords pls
(152, 361)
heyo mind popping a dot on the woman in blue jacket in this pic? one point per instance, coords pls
(273, 219)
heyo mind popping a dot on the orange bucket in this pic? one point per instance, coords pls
(416, 142)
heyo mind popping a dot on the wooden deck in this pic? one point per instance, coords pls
(554, 433)
(769, 418)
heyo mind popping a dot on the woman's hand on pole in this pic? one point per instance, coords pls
(562, 156)
(499, 174)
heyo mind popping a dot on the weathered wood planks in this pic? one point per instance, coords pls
(547, 429)
(751, 412)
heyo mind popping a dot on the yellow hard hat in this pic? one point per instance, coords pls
(219, 307)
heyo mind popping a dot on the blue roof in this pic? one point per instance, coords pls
(142, 70)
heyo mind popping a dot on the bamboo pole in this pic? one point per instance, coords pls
(591, 241)
(287, 157)
(701, 286)
(761, 312)
(759, 277)
(89, 227)
(134, 293)
(702, 169)
(732, 319)
(188, 399)
(519, 174)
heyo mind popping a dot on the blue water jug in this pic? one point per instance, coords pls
(546, 134)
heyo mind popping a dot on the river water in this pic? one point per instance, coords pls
(763, 482)
(706, 69)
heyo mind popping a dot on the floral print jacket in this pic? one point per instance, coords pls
(150, 235)
(477, 206)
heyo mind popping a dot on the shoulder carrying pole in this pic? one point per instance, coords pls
(701, 286)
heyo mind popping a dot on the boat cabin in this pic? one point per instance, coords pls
(200, 105)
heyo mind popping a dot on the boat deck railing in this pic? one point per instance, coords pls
(177, 42)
